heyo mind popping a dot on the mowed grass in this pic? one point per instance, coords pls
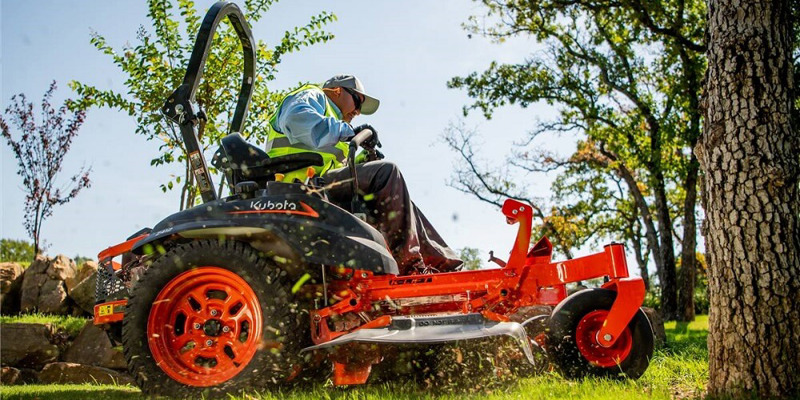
(70, 392)
(680, 370)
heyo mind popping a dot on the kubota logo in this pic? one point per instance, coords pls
(285, 207)
(269, 205)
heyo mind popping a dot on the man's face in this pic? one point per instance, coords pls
(349, 103)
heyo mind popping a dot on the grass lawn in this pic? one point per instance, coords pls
(679, 370)
(72, 325)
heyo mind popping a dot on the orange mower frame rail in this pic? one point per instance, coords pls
(528, 278)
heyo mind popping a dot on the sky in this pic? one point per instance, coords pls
(403, 52)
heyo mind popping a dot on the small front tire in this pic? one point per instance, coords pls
(572, 344)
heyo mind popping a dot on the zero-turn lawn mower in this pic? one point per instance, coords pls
(255, 288)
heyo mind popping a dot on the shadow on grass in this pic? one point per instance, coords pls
(689, 339)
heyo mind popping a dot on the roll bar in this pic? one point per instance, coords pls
(178, 107)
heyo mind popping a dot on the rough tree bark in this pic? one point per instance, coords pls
(668, 278)
(748, 153)
(688, 271)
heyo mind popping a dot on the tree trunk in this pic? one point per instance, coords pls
(748, 153)
(637, 252)
(692, 64)
(668, 278)
(647, 220)
(688, 271)
(636, 242)
(37, 228)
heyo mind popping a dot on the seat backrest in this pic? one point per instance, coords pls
(242, 155)
(244, 161)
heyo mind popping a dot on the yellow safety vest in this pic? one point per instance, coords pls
(278, 144)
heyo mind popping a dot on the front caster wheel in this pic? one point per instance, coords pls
(572, 338)
(210, 318)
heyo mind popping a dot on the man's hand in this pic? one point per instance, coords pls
(373, 141)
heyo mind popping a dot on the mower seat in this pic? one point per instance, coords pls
(247, 162)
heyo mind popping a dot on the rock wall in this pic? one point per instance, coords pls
(10, 286)
(36, 353)
(50, 285)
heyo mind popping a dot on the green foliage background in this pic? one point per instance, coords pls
(16, 250)
(155, 66)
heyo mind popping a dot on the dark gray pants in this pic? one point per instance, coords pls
(413, 241)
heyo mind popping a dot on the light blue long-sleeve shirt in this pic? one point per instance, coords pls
(302, 119)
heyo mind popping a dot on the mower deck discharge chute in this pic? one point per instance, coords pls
(274, 281)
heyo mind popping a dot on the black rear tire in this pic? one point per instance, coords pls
(279, 318)
(563, 349)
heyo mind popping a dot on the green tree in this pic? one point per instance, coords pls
(625, 76)
(156, 64)
(594, 204)
(16, 250)
(471, 257)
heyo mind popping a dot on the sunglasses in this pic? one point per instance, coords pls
(356, 97)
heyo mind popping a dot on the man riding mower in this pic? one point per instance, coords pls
(286, 274)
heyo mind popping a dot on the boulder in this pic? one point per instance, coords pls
(84, 271)
(53, 298)
(28, 376)
(27, 345)
(61, 268)
(44, 285)
(83, 293)
(11, 275)
(9, 375)
(32, 283)
(64, 372)
(31, 287)
(92, 347)
(657, 323)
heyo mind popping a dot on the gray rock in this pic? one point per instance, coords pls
(61, 268)
(11, 275)
(83, 293)
(84, 271)
(9, 376)
(92, 347)
(31, 288)
(44, 285)
(63, 372)
(39, 264)
(53, 298)
(657, 323)
(27, 345)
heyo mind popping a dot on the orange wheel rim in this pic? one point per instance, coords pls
(204, 326)
(586, 339)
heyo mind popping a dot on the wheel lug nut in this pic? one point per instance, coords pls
(209, 342)
(196, 325)
(226, 329)
(607, 337)
(213, 313)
